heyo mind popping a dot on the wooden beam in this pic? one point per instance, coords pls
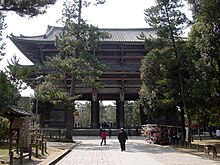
(119, 57)
(124, 50)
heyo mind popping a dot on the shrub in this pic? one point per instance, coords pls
(4, 128)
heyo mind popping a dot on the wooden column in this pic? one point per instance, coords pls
(117, 114)
(94, 111)
(121, 106)
(120, 111)
(24, 133)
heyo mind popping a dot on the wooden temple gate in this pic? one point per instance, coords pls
(122, 53)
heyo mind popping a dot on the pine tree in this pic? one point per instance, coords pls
(77, 45)
(170, 22)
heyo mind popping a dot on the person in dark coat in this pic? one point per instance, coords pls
(109, 132)
(122, 137)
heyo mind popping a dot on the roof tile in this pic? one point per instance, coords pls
(117, 35)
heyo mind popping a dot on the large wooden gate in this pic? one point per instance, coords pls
(122, 53)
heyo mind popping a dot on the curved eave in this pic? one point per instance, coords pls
(30, 48)
(30, 39)
(47, 41)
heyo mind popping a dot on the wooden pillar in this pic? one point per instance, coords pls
(10, 138)
(11, 157)
(17, 141)
(117, 114)
(120, 111)
(94, 111)
(24, 133)
(21, 155)
(30, 152)
(121, 117)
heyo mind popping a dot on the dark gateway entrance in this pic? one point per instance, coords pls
(122, 53)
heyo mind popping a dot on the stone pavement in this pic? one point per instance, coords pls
(137, 152)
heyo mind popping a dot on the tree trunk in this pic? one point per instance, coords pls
(184, 108)
(69, 125)
(69, 131)
(183, 130)
(199, 134)
(41, 120)
(189, 121)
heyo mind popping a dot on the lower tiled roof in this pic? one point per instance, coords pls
(126, 67)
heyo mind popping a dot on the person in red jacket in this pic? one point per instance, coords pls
(103, 136)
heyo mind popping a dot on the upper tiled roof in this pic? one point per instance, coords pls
(117, 35)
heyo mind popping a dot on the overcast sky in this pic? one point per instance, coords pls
(113, 14)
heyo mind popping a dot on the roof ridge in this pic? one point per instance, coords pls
(126, 28)
(118, 34)
(50, 29)
(23, 36)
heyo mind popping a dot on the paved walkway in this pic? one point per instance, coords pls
(137, 152)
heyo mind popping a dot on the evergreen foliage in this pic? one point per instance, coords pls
(162, 71)
(9, 94)
(27, 7)
(183, 73)
(2, 27)
(132, 114)
(23, 8)
(77, 45)
(205, 46)
(17, 73)
(83, 114)
(4, 128)
(12, 80)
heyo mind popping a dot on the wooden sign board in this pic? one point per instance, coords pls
(17, 123)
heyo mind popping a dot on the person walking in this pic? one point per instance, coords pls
(122, 137)
(129, 132)
(103, 136)
(109, 132)
(100, 132)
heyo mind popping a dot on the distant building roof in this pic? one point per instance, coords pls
(117, 35)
